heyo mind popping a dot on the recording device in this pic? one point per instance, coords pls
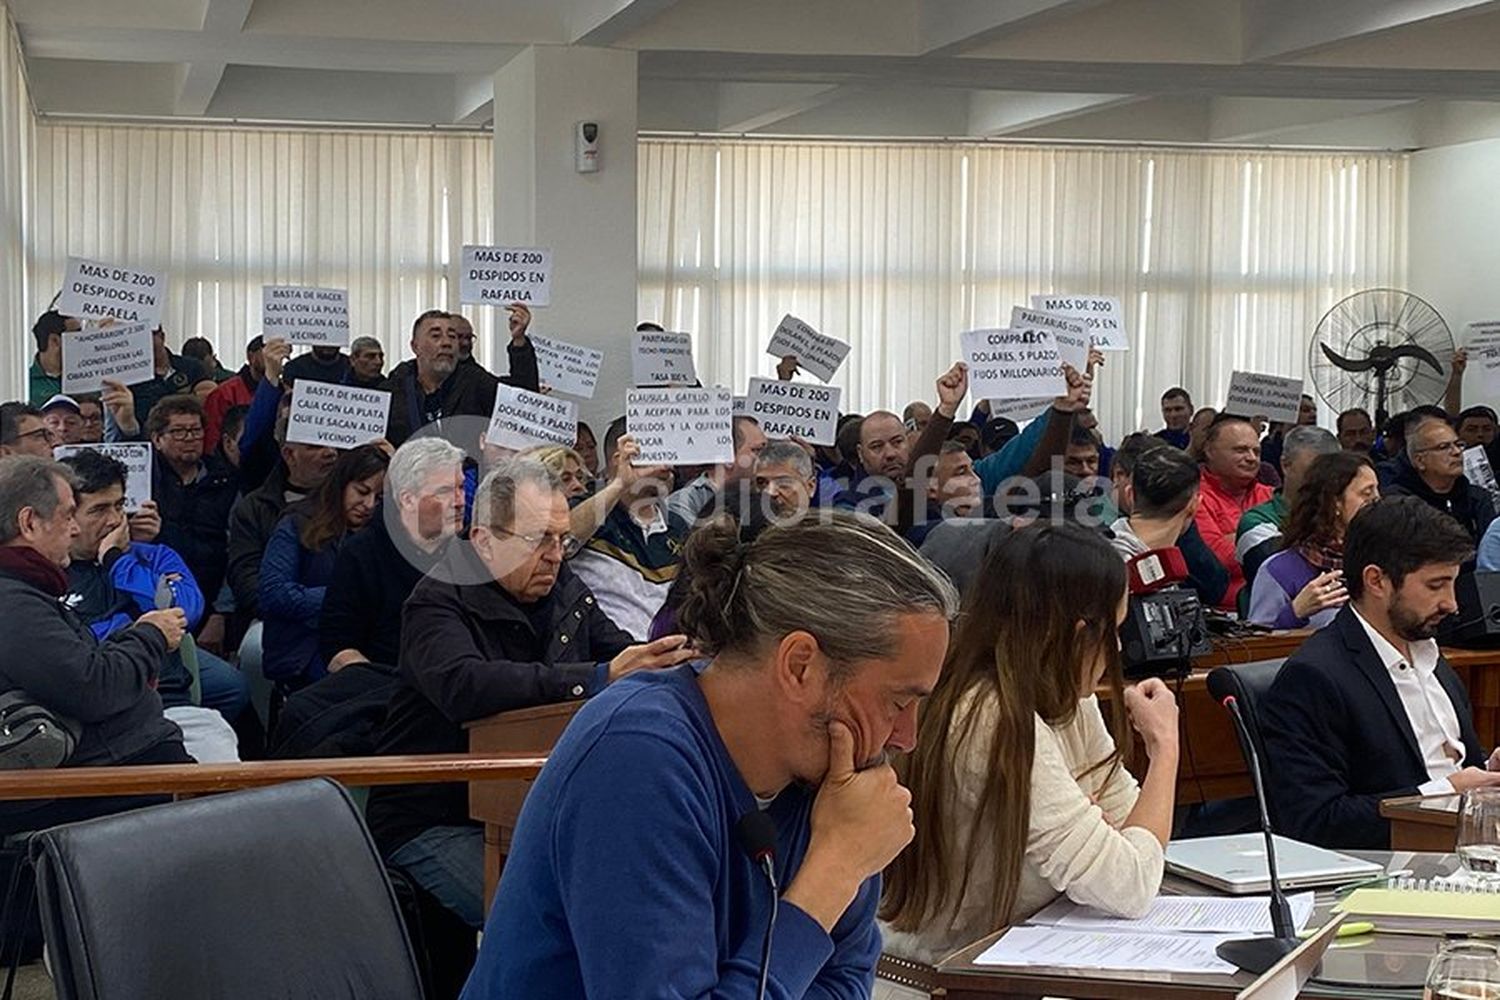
(1259, 954)
(756, 834)
(1477, 623)
(1164, 625)
(587, 136)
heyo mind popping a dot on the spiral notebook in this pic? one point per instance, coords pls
(1429, 903)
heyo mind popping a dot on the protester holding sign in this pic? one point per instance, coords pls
(47, 363)
(433, 385)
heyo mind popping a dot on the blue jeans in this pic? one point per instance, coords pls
(448, 862)
(224, 687)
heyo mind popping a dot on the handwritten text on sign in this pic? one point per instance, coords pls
(681, 426)
(317, 316)
(1486, 361)
(121, 353)
(567, 367)
(1013, 364)
(818, 354)
(134, 455)
(92, 291)
(794, 409)
(662, 358)
(336, 416)
(1101, 314)
(1269, 396)
(1071, 336)
(523, 419)
(498, 276)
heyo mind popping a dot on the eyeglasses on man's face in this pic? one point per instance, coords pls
(184, 433)
(1452, 446)
(564, 541)
(43, 433)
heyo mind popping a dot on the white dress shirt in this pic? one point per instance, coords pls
(1428, 707)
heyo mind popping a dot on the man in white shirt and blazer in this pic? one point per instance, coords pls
(1368, 708)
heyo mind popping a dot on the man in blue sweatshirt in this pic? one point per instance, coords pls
(625, 878)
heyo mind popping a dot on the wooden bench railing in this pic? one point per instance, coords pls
(201, 779)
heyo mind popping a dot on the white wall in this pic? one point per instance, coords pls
(1454, 225)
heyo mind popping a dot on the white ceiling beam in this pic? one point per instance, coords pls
(1246, 119)
(1275, 29)
(945, 27)
(199, 80)
(1157, 119)
(605, 22)
(256, 49)
(745, 107)
(1002, 112)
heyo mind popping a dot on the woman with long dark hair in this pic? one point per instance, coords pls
(1303, 584)
(1019, 788)
(298, 563)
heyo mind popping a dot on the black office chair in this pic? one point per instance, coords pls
(273, 892)
(1248, 683)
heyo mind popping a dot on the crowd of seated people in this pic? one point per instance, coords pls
(752, 634)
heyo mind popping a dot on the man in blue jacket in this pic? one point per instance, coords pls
(112, 581)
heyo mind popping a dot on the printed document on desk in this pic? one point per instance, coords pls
(1181, 914)
(1064, 948)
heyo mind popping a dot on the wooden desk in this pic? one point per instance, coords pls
(1421, 823)
(1383, 961)
(203, 779)
(529, 731)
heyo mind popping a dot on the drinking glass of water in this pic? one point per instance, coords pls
(1464, 970)
(1479, 833)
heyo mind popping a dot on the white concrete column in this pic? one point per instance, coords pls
(588, 220)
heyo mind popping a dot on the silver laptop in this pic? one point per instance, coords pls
(1237, 864)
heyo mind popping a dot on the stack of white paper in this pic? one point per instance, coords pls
(1178, 934)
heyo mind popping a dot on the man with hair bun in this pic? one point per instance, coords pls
(625, 878)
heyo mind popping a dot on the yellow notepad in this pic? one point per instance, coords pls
(1424, 904)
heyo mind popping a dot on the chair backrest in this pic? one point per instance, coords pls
(1248, 682)
(272, 892)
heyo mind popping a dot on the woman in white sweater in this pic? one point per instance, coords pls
(1019, 791)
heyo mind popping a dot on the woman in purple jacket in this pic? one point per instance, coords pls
(1303, 584)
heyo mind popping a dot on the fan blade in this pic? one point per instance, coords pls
(1367, 364)
(1418, 352)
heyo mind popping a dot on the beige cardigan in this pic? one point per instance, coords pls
(1073, 846)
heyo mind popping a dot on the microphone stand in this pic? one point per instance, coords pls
(1258, 954)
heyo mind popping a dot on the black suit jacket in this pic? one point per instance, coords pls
(1338, 739)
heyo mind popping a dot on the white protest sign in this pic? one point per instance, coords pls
(818, 354)
(1013, 364)
(1271, 396)
(662, 358)
(742, 406)
(1486, 362)
(92, 290)
(1071, 336)
(336, 416)
(1020, 410)
(498, 276)
(524, 419)
(795, 409)
(1101, 315)
(317, 316)
(681, 426)
(134, 455)
(1477, 470)
(567, 367)
(119, 353)
(1483, 335)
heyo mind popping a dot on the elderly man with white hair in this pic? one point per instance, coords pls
(377, 568)
(502, 624)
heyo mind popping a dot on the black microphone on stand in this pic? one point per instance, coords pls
(756, 833)
(1260, 953)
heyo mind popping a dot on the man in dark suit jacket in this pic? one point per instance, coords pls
(1368, 708)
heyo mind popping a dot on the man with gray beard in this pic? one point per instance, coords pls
(433, 385)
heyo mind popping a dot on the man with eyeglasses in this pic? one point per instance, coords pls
(24, 431)
(501, 624)
(1432, 469)
(194, 493)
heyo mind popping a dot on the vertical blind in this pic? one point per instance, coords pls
(1222, 260)
(225, 211)
(16, 138)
